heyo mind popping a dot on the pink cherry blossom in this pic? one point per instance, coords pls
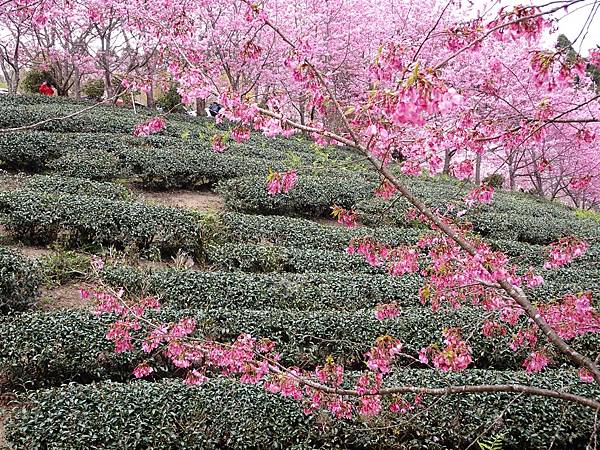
(386, 311)
(585, 375)
(281, 182)
(385, 190)
(536, 362)
(152, 126)
(564, 251)
(482, 194)
(142, 370)
(344, 216)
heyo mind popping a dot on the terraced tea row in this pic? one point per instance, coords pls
(50, 348)
(170, 414)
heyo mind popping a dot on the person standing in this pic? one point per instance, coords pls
(46, 89)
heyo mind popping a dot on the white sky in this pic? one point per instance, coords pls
(570, 23)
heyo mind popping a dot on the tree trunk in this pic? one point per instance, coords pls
(539, 184)
(11, 76)
(512, 181)
(448, 154)
(150, 97)
(478, 169)
(200, 107)
(77, 83)
(12, 83)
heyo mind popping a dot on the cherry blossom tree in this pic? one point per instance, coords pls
(421, 92)
(414, 100)
(16, 24)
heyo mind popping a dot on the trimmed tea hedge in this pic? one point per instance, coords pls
(76, 186)
(102, 119)
(303, 233)
(19, 282)
(44, 349)
(511, 216)
(27, 150)
(274, 258)
(313, 196)
(88, 220)
(92, 163)
(307, 291)
(224, 414)
(34, 150)
(176, 167)
(581, 275)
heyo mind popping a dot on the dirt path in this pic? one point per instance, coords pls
(66, 296)
(198, 200)
(31, 251)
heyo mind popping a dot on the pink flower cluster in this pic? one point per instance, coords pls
(464, 34)
(585, 375)
(398, 261)
(543, 63)
(535, 362)
(573, 316)
(278, 182)
(580, 183)
(523, 23)
(385, 190)
(120, 330)
(482, 194)
(330, 374)
(455, 356)
(218, 143)
(492, 328)
(152, 126)
(564, 251)
(240, 134)
(380, 357)
(386, 311)
(142, 370)
(346, 217)
(463, 170)
(595, 57)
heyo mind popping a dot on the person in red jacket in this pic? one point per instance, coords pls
(46, 89)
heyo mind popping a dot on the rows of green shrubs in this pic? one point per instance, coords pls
(43, 216)
(33, 150)
(157, 167)
(303, 233)
(100, 119)
(49, 348)
(312, 196)
(308, 291)
(304, 291)
(166, 163)
(224, 414)
(76, 186)
(511, 216)
(20, 279)
(580, 275)
(517, 219)
(82, 219)
(261, 258)
(85, 220)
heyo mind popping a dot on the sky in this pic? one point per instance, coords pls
(570, 23)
